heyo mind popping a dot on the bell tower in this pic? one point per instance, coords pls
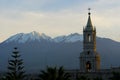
(89, 58)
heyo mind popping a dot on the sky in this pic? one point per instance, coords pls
(59, 17)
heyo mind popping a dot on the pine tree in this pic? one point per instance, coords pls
(15, 67)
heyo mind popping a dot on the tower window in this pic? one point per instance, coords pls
(89, 38)
(88, 65)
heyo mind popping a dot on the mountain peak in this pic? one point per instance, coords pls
(74, 37)
(34, 33)
(36, 36)
(28, 37)
(42, 35)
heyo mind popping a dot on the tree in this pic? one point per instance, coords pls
(98, 78)
(82, 78)
(54, 74)
(15, 67)
(116, 76)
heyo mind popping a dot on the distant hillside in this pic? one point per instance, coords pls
(40, 50)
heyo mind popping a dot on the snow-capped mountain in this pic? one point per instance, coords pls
(59, 39)
(28, 37)
(74, 38)
(70, 38)
(35, 36)
(64, 51)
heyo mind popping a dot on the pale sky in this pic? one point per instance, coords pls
(59, 17)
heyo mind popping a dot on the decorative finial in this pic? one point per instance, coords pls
(89, 11)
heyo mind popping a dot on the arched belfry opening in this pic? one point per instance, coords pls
(89, 58)
(88, 66)
(89, 37)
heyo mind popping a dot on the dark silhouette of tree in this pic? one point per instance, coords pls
(54, 74)
(3, 78)
(15, 67)
(82, 78)
(98, 78)
(116, 76)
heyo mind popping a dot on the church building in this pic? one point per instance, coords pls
(90, 58)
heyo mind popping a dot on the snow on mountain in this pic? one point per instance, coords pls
(23, 38)
(70, 38)
(74, 38)
(59, 39)
(35, 36)
(14, 38)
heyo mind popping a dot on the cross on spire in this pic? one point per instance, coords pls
(89, 23)
(89, 11)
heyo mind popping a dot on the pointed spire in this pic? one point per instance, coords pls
(89, 22)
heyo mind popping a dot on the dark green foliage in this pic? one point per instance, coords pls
(3, 78)
(54, 74)
(116, 76)
(97, 78)
(15, 67)
(82, 78)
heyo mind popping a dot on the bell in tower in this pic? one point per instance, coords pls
(89, 58)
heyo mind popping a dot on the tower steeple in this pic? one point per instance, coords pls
(89, 58)
(89, 22)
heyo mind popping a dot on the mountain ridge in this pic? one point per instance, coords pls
(36, 36)
(39, 54)
(32, 36)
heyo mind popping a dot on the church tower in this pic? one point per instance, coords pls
(89, 58)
